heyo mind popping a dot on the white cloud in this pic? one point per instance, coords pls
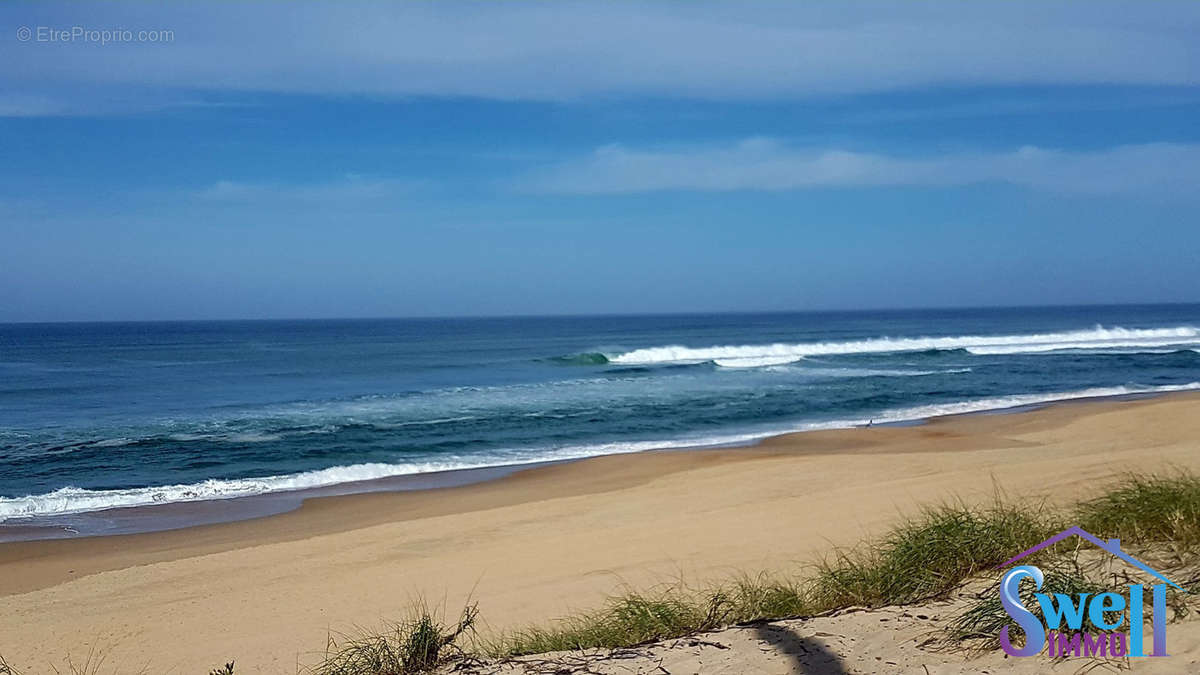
(350, 189)
(29, 105)
(565, 50)
(765, 164)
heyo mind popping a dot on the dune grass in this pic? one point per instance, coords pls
(417, 645)
(1147, 508)
(635, 618)
(929, 555)
(924, 557)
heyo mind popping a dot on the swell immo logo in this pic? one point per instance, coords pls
(1118, 619)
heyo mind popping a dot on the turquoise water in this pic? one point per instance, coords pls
(94, 416)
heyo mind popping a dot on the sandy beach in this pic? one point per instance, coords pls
(542, 542)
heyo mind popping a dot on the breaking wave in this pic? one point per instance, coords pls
(70, 500)
(1098, 337)
(755, 361)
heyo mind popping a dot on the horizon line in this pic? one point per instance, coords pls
(460, 317)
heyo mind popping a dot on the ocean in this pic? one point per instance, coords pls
(95, 416)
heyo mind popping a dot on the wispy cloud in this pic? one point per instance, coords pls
(100, 100)
(568, 50)
(766, 164)
(349, 189)
(30, 105)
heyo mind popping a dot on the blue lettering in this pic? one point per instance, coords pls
(1065, 608)
(1010, 599)
(1135, 620)
(1106, 602)
(1160, 620)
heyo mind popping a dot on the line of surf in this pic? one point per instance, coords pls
(778, 353)
(70, 500)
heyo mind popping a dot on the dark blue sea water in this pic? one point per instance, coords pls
(121, 414)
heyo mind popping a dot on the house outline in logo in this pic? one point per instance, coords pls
(1112, 546)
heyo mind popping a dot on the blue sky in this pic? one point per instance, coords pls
(449, 158)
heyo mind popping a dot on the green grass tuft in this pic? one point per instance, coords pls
(624, 621)
(418, 645)
(673, 611)
(768, 597)
(928, 556)
(1147, 508)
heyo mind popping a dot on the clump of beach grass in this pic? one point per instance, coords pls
(672, 611)
(624, 621)
(766, 596)
(418, 645)
(1163, 509)
(929, 555)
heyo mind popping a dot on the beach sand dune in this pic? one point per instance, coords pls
(547, 541)
(889, 641)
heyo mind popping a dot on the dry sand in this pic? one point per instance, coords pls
(543, 542)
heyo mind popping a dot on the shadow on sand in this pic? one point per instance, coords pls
(808, 654)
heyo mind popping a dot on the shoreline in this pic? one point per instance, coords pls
(316, 514)
(188, 514)
(542, 542)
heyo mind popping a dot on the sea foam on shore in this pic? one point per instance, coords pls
(69, 500)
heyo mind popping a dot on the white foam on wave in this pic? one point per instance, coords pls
(74, 500)
(1097, 337)
(70, 500)
(1113, 347)
(112, 442)
(755, 361)
(253, 437)
(1022, 400)
(881, 372)
(1132, 351)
